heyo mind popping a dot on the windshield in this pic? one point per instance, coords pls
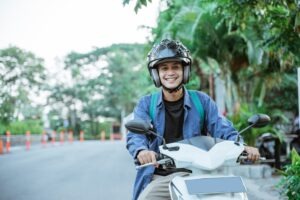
(202, 142)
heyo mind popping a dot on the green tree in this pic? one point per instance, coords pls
(290, 182)
(121, 75)
(251, 44)
(21, 74)
(106, 82)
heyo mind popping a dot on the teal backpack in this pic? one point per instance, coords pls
(195, 100)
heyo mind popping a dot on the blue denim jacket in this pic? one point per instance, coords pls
(217, 126)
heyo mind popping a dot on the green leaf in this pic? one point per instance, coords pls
(295, 156)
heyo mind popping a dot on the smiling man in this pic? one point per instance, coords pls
(174, 115)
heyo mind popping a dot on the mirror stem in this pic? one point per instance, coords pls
(239, 133)
(163, 139)
(175, 148)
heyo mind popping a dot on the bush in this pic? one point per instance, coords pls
(94, 128)
(2, 129)
(20, 127)
(290, 183)
(240, 121)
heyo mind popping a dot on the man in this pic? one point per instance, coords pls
(176, 118)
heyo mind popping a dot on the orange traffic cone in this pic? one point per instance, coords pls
(61, 137)
(81, 136)
(53, 137)
(1, 146)
(7, 141)
(27, 140)
(71, 137)
(44, 139)
(102, 135)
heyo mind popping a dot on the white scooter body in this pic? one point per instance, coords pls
(207, 180)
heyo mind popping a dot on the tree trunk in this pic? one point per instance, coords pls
(203, 78)
(92, 123)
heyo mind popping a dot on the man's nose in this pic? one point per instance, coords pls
(171, 71)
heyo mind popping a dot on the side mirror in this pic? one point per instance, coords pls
(138, 126)
(259, 120)
(255, 121)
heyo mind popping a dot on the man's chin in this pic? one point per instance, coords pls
(170, 87)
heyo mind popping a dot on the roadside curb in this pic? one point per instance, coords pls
(263, 188)
(252, 171)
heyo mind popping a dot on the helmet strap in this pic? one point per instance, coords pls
(173, 89)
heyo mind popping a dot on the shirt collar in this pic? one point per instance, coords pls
(187, 101)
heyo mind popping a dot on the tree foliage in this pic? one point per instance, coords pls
(290, 182)
(21, 75)
(105, 81)
(121, 69)
(139, 4)
(252, 45)
(20, 127)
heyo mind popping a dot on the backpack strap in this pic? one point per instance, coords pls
(153, 103)
(195, 100)
(199, 107)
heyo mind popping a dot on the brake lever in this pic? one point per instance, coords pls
(160, 162)
(245, 158)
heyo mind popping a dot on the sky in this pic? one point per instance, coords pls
(53, 28)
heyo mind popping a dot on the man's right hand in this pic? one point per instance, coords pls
(146, 156)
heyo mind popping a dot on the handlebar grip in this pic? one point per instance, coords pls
(160, 162)
(262, 158)
(245, 158)
(158, 157)
(144, 165)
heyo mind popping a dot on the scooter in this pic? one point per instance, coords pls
(208, 159)
(277, 152)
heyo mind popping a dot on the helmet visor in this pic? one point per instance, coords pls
(155, 63)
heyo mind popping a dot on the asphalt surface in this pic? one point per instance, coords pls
(89, 170)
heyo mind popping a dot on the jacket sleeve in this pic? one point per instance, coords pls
(136, 142)
(216, 124)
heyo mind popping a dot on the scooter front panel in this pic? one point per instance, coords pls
(190, 156)
(208, 187)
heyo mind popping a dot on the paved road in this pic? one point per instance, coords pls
(89, 170)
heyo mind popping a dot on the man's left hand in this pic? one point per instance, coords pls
(253, 153)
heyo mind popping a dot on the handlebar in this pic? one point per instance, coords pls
(244, 158)
(160, 162)
(158, 157)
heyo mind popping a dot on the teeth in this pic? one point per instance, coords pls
(170, 79)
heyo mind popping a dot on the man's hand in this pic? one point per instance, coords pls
(253, 153)
(146, 156)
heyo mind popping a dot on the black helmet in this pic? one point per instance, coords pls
(168, 50)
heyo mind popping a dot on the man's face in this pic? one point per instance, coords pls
(170, 74)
